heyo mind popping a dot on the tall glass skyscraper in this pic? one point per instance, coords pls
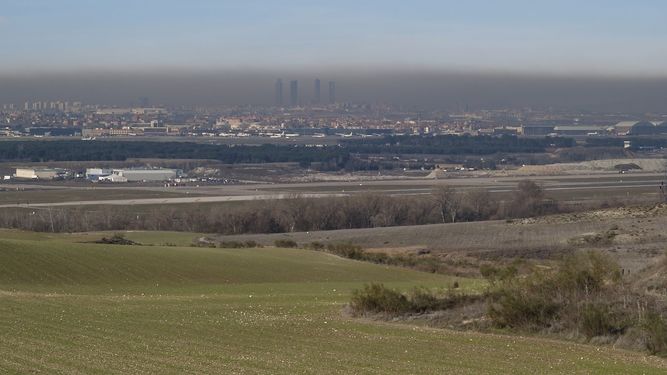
(279, 92)
(294, 93)
(318, 93)
(332, 92)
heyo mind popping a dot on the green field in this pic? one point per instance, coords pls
(77, 308)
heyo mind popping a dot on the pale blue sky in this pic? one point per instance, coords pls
(557, 36)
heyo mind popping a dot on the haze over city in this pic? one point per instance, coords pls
(600, 55)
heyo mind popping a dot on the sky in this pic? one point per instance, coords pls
(565, 53)
(538, 36)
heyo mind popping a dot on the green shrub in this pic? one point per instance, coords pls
(238, 244)
(564, 294)
(231, 245)
(423, 300)
(315, 245)
(495, 274)
(655, 328)
(378, 258)
(599, 320)
(286, 243)
(346, 250)
(117, 239)
(252, 244)
(377, 298)
(587, 272)
(513, 308)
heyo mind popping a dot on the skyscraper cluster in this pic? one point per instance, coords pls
(295, 99)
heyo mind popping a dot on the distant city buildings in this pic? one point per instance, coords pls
(294, 93)
(317, 99)
(294, 99)
(311, 114)
(332, 92)
(279, 93)
(62, 106)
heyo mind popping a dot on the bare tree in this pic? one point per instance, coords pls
(529, 200)
(448, 202)
(479, 205)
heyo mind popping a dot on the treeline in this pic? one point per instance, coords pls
(444, 205)
(76, 150)
(328, 156)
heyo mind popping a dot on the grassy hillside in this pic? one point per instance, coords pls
(57, 265)
(70, 308)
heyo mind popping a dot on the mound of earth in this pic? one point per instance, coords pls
(645, 165)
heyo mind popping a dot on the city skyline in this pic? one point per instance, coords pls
(295, 96)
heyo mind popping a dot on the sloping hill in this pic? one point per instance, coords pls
(47, 264)
(71, 308)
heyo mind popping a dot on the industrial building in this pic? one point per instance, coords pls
(623, 128)
(640, 128)
(579, 130)
(40, 173)
(132, 175)
(537, 129)
(94, 174)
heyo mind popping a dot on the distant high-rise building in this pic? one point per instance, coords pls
(332, 92)
(318, 92)
(279, 92)
(294, 93)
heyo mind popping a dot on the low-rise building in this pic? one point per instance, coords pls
(96, 174)
(40, 173)
(640, 128)
(579, 130)
(147, 175)
(537, 129)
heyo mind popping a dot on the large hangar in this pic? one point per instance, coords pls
(132, 175)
